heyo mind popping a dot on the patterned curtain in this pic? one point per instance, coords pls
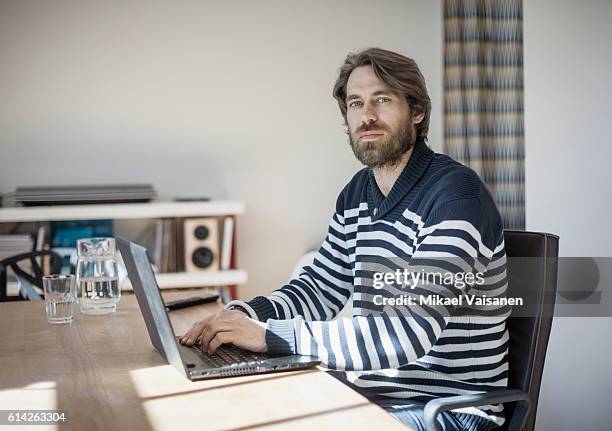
(483, 97)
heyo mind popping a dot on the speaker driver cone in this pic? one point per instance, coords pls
(202, 257)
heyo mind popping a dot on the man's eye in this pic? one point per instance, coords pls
(383, 100)
(354, 104)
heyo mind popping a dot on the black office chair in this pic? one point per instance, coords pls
(30, 277)
(535, 279)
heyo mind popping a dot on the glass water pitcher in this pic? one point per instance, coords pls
(97, 276)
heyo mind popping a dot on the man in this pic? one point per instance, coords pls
(408, 205)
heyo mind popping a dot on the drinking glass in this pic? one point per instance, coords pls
(60, 292)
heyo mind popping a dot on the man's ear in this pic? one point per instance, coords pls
(418, 117)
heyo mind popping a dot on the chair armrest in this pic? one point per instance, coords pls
(435, 407)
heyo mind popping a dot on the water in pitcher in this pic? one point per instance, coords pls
(98, 295)
(97, 276)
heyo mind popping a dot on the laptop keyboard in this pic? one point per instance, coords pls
(228, 355)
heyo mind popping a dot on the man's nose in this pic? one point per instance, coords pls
(368, 115)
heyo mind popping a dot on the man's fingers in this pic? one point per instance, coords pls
(208, 327)
(192, 335)
(213, 328)
(224, 320)
(219, 339)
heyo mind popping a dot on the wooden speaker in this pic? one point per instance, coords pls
(201, 244)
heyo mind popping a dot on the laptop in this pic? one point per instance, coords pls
(192, 362)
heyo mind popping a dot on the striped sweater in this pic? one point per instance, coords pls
(436, 208)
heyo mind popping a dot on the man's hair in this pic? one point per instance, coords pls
(400, 73)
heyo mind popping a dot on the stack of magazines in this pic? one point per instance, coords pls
(11, 245)
(93, 194)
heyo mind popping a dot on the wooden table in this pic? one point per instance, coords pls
(105, 373)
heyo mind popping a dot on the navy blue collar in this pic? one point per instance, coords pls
(378, 204)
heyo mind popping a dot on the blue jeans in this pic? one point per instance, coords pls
(411, 413)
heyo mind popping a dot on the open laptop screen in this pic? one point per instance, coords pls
(150, 301)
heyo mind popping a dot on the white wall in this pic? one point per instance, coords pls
(233, 100)
(223, 99)
(568, 181)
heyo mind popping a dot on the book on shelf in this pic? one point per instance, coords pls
(156, 252)
(165, 251)
(41, 237)
(227, 243)
(179, 245)
(164, 246)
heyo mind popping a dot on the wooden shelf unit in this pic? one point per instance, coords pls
(121, 211)
(151, 210)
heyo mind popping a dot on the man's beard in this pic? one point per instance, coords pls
(385, 153)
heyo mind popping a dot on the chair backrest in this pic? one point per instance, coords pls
(532, 274)
(32, 276)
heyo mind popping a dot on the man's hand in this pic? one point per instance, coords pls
(227, 326)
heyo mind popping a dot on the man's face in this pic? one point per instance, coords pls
(380, 126)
